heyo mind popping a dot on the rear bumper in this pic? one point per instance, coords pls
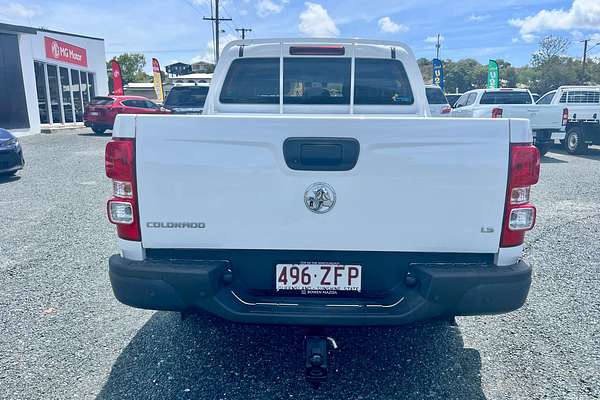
(97, 124)
(441, 290)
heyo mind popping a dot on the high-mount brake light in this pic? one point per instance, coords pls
(497, 112)
(122, 208)
(317, 50)
(519, 213)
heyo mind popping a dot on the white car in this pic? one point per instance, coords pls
(438, 104)
(583, 120)
(315, 191)
(547, 122)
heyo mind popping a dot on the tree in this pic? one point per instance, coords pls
(550, 49)
(132, 68)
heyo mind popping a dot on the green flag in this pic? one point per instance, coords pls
(493, 75)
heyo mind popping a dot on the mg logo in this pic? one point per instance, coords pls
(55, 49)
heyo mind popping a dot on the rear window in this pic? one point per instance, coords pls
(102, 101)
(435, 96)
(381, 82)
(187, 96)
(252, 81)
(316, 80)
(505, 98)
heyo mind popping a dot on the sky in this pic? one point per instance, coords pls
(173, 30)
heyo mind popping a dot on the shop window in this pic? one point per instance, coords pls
(91, 84)
(54, 93)
(65, 86)
(78, 106)
(84, 89)
(40, 85)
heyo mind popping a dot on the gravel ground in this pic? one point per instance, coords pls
(65, 336)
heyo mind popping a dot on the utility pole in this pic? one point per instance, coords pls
(585, 49)
(437, 47)
(216, 20)
(243, 30)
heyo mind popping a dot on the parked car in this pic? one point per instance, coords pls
(583, 119)
(101, 112)
(438, 104)
(307, 197)
(547, 122)
(11, 154)
(187, 98)
(452, 98)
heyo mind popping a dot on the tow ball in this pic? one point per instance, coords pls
(317, 357)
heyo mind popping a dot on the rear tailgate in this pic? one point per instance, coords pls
(421, 185)
(540, 116)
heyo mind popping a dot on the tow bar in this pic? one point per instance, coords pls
(317, 356)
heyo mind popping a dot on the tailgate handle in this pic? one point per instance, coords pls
(321, 154)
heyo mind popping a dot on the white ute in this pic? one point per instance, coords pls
(583, 115)
(316, 191)
(547, 122)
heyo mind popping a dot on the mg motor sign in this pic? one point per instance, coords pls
(65, 52)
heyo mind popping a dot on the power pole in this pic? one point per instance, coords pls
(437, 47)
(243, 30)
(216, 20)
(585, 49)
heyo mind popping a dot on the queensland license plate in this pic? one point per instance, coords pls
(315, 278)
(93, 113)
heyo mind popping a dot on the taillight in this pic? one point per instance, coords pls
(519, 213)
(122, 208)
(565, 116)
(496, 112)
(334, 50)
(446, 109)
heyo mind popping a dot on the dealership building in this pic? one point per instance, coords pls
(47, 77)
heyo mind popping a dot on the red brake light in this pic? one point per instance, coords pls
(446, 109)
(519, 213)
(496, 112)
(317, 50)
(565, 116)
(122, 207)
(119, 160)
(524, 165)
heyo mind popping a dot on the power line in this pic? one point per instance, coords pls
(216, 20)
(243, 31)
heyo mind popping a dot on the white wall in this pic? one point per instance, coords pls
(32, 48)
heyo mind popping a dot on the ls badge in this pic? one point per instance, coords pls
(319, 198)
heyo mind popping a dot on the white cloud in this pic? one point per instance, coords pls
(583, 14)
(18, 11)
(433, 39)
(265, 8)
(316, 22)
(515, 40)
(478, 18)
(388, 26)
(209, 54)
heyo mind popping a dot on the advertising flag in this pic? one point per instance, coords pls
(438, 73)
(158, 87)
(117, 79)
(493, 75)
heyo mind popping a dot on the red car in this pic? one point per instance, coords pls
(100, 114)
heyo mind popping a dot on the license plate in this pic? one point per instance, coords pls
(94, 113)
(315, 278)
